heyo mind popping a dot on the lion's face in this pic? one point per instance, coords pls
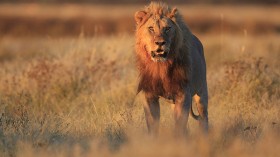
(157, 35)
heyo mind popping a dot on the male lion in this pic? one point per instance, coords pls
(171, 65)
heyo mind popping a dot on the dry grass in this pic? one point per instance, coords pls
(75, 97)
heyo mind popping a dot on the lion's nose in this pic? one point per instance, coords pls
(160, 43)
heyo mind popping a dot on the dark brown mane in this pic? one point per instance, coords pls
(164, 79)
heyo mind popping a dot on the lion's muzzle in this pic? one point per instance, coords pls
(159, 55)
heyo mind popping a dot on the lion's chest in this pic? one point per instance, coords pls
(163, 88)
(166, 87)
(165, 80)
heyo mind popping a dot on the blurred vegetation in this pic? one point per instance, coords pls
(72, 19)
(147, 1)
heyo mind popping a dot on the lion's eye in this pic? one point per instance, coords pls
(151, 29)
(167, 29)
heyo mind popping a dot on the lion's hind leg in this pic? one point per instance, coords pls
(202, 107)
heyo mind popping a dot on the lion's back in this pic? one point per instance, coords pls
(198, 67)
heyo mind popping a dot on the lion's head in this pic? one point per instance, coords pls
(158, 34)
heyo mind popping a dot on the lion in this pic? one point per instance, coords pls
(171, 65)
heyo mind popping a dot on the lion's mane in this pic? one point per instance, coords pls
(165, 78)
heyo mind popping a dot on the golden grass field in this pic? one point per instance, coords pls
(75, 95)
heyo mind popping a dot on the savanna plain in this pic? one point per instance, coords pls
(76, 95)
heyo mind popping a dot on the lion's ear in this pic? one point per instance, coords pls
(173, 13)
(139, 16)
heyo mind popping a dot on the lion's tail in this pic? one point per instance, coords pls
(196, 117)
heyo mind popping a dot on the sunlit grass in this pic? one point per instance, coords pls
(76, 97)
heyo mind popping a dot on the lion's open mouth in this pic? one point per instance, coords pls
(159, 55)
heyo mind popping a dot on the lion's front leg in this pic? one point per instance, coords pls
(181, 112)
(152, 113)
